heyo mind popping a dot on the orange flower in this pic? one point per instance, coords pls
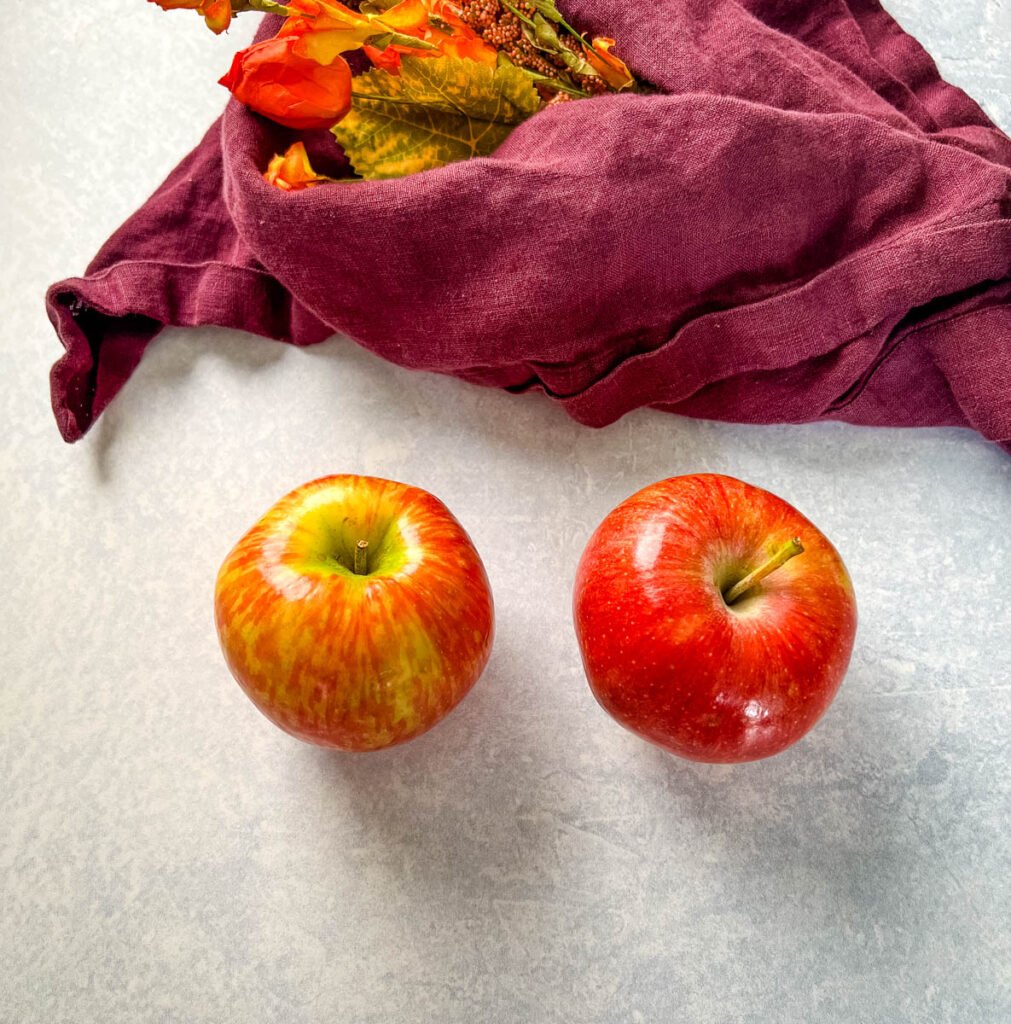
(293, 172)
(607, 65)
(332, 9)
(408, 16)
(385, 60)
(299, 78)
(275, 80)
(463, 43)
(412, 18)
(217, 13)
(326, 30)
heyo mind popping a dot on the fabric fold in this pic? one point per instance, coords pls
(803, 222)
(179, 261)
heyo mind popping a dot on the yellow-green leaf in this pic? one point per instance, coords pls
(436, 111)
(384, 39)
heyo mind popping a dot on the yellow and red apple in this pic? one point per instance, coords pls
(713, 618)
(356, 613)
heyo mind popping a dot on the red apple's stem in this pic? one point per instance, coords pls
(784, 554)
(362, 558)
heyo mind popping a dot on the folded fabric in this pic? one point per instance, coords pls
(803, 222)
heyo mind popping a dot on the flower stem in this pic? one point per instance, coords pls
(784, 554)
(555, 83)
(517, 13)
(572, 31)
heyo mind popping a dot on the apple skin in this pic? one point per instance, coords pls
(665, 654)
(358, 662)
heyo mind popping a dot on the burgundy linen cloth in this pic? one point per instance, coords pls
(804, 222)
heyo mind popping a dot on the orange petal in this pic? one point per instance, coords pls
(217, 14)
(385, 60)
(328, 14)
(607, 65)
(325, 45)
(326, 30)
(409, 16)
(175, 5)
(272, 79)
(471, 47)
(293, 172)
(310, 8)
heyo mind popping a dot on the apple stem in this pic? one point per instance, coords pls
(362, 558)
(784, 554)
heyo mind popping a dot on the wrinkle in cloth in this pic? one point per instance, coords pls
(802, 222)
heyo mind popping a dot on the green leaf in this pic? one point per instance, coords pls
(377, 6)
(549, 10)
(443, 26)
(545, 37)
(560, 84)
(577, 64)
(436, 111)
(384, 39)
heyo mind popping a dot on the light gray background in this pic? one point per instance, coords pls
(166, 855)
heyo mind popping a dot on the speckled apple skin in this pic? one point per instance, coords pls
(358, 662)
(669, 659)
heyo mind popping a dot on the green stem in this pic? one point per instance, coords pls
(555, 83)
(568, 28)
(784, 554)
(517, 13)
(578, 35)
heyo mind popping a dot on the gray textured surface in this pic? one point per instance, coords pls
(165, 855)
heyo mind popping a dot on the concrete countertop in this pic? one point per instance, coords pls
(166, 855)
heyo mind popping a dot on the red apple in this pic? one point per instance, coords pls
(714, 619)
(356, 613)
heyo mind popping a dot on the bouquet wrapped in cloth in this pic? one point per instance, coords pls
(795, 219)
